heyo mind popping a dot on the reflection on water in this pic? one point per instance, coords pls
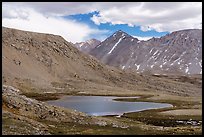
(103, 105)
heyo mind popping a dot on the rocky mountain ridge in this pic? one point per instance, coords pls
(179, 52)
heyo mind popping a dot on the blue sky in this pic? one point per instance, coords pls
(80, 21)
(110, 28)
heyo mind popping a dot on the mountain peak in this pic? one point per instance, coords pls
(119, 30)
(121, 33)
(87, 45)
(92, 40)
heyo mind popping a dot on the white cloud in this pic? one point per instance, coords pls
(54, 8)
(14, 13)
(30, 20)
(159, 16)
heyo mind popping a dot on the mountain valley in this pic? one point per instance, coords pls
(37, 67)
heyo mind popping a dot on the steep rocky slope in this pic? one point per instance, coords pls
(179, 52)
(43, 58)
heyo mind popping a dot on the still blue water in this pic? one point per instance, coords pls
(104, 105)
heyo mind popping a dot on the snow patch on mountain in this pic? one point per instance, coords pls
(115, 45)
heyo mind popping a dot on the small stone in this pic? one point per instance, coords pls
(51, 125)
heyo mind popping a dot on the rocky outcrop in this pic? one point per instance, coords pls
(32, 115)
(31, 108)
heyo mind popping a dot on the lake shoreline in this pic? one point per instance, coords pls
(144, 122)
(108, 104)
